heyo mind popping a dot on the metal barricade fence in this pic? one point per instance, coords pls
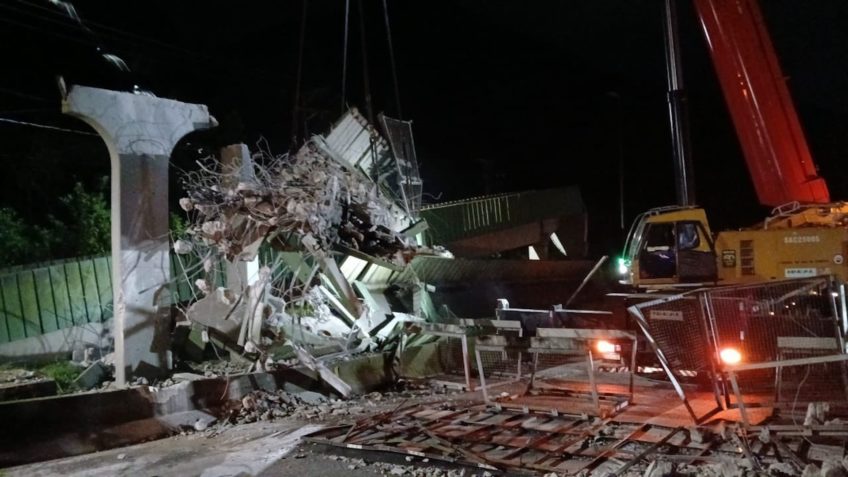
(776, 322)
(760, 335)
(677, 325)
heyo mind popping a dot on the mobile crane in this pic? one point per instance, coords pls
(806, 234)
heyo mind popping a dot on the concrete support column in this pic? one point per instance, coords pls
(140, 132)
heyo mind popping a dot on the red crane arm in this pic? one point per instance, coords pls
(755, 90)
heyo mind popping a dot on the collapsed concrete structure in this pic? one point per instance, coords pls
(325, 271)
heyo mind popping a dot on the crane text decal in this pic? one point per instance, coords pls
(802, 239)
(668, 315)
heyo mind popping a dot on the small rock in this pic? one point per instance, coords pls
(659, 468)
(186, 377)
(200, 425)
(833, 468)
(698, 435)
(121, 456)
(26, 375)
(781, 469)
(408, 458)
(248, 402)
(764, 435)
(811, 470)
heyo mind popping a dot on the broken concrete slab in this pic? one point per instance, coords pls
(326, 374)
(25, 390)
(187, 377)
(74, 424)
(221, 310)
(92, 376)
(57, 344)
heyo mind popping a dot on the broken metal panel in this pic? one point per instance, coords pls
(356, 143)
(406, 183)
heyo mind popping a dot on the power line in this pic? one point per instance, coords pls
(115, 32)
(23, 95)
(90, 39)
(49, 32)
(47, 126)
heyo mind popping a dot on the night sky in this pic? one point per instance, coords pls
(504, 96)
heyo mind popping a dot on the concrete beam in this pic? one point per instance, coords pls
(140, 132)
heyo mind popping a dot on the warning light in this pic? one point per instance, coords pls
(604, 347)
(730, 356)
(623, 266)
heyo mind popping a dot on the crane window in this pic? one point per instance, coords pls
(658, 259)
(687, 236)
(660, 237)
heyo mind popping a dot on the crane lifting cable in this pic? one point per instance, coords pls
(392, 57)
(344, 55)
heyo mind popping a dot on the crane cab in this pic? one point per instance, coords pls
(668, 246)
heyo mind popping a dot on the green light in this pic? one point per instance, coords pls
(623, 266)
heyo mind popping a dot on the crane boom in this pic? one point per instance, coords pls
(755, 90)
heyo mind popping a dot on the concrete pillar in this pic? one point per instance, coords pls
(237, 166)
(140, 132)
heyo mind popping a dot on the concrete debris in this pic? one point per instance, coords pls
(811, 470)
(700, 435)
(309, 192)
(816, 413)
(186, 377)
(326, 374)
(414, 470)
(182, 247)
(267, 406)
(309, 206)
(782, 469)
(659, 468)
(833, 468)
(764, 435)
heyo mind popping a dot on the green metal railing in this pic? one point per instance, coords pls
(50, 296)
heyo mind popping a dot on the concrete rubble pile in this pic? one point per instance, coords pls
(308, 211)
(306, 195)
